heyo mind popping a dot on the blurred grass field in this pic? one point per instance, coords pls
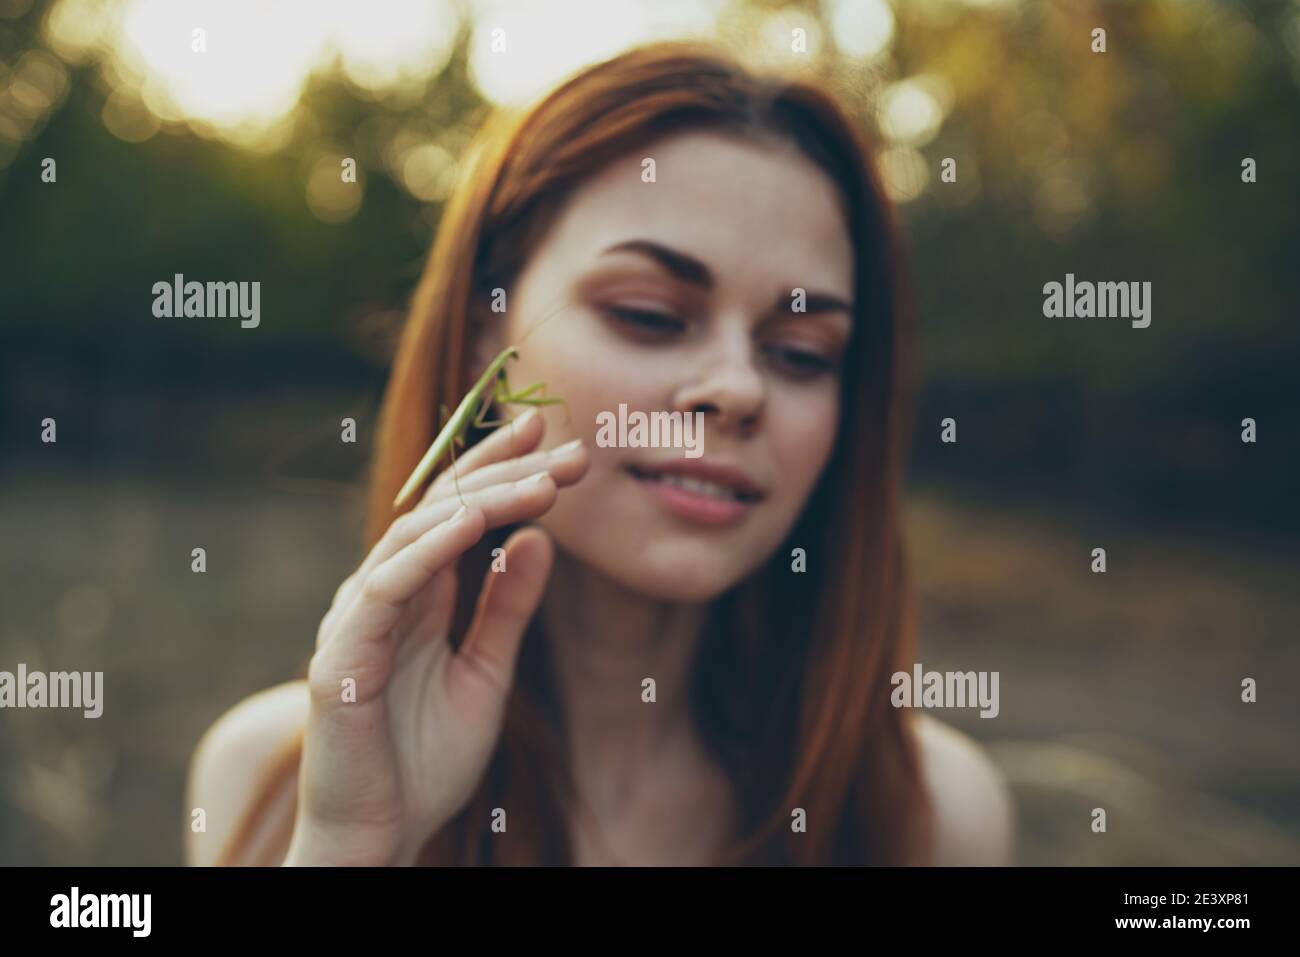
(1119, 691)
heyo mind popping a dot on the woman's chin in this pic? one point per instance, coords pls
(671, 567)
(678, 575)
(672, 585)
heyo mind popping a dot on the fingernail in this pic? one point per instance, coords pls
(460, 513)
(527, 417)
(532, 480)
(567, 447)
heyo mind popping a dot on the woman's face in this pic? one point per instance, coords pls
(678, 295)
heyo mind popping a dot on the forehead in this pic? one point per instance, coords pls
(753, 212)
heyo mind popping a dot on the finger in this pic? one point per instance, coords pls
(503, 503)
(566, 463)
(507, 442)
(363, 645)
(342, 598)
(429, 612)
(508, 601)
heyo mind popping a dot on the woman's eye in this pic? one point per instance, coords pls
(646, 321)
(800, 362)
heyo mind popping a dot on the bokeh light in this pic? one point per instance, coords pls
(237, 68)
(904, 173)
(912, 110)
(862, 28)
(521, 49)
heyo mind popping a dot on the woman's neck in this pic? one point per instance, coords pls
(604, 641)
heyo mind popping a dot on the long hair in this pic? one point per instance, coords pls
(791, 682)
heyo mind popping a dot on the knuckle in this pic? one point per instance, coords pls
(378, 587)
(343, 589)
(416, 521)
(332, 683)
(323, 631)
(322, 680)
(374, 589)
(403, 527)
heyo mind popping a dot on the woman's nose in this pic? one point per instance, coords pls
(726, 385)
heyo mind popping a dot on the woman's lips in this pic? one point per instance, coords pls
(707, 494)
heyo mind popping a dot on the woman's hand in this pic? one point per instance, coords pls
(400, 729)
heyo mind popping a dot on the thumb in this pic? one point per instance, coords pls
(506, 603)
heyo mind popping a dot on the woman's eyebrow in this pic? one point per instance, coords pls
(690, 270)
(684, 267)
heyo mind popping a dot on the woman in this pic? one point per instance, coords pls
(572, 653)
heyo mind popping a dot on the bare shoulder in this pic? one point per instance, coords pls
(231, 764)
(973, 817)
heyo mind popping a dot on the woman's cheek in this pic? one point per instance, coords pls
(586, 395)
(597, 385)
(564, 379)
(804, 440)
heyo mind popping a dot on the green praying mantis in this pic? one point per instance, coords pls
(472, 412)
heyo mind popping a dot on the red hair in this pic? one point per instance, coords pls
(791, 683)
